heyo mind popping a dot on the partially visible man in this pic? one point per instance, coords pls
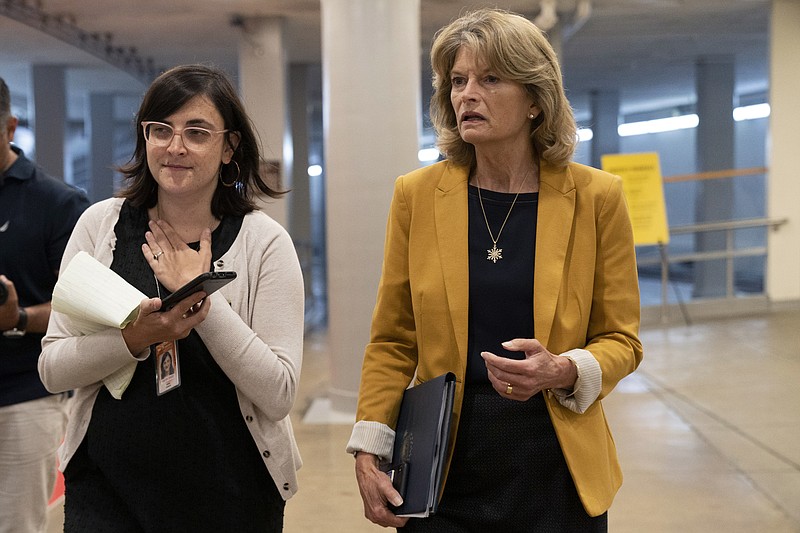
(37, 214)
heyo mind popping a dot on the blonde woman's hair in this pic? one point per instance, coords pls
(515, 49)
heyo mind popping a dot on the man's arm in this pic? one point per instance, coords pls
(37, 316)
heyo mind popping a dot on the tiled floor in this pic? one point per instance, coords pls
(708, 432)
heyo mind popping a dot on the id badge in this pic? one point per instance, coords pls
(168, 373)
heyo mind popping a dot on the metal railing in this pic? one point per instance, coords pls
(729, 254)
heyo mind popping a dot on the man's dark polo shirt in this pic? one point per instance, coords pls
(37, 215)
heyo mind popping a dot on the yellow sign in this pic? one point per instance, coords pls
(644, 191)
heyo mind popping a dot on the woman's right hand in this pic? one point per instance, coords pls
(153, 326)
(172, 261)
(377, 491)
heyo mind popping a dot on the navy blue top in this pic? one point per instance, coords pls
(37, 215)
(501, 292)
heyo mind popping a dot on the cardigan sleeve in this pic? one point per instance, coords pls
(257, 340)
(587, 386)
(71, 359)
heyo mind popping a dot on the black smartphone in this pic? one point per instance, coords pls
(208, 282)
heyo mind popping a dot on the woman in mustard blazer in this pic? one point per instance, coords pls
(514, 268)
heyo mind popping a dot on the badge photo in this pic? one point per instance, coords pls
(168, 374)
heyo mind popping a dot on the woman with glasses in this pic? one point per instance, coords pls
(187, 208)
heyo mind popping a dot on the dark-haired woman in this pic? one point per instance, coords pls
(187, 209)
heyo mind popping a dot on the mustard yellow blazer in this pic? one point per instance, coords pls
(586, 296)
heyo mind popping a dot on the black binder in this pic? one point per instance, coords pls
(420, 445)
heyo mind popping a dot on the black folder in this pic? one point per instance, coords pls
(420, 445)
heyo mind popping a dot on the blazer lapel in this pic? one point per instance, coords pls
(553, 228)
(452, 231)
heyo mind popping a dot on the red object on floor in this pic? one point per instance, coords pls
(58, 491)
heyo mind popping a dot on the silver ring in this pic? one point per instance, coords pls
(159, 254)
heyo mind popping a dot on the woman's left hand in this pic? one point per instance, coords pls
(540, 370)
(152, 326)
(377, 492)
(172, 261)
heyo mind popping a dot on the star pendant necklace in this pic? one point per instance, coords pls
(495, 253)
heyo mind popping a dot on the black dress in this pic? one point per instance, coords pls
(508, 472)
(183, 461)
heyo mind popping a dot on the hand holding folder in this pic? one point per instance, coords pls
(420, 445)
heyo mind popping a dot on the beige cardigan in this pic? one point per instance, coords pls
(254, 331)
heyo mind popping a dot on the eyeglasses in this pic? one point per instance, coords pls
(194, 138)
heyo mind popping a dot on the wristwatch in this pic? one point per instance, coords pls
(19, 329)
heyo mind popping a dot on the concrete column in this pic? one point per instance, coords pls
(309, 249)
(100, 131)
(371, 97)
(262, 80)
(783, 265)
(605, 119)
(715, 151)
(299, 204)
(49, 117)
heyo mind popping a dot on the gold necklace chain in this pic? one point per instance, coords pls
(495, 253)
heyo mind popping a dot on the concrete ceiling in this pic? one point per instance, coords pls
(647, 49)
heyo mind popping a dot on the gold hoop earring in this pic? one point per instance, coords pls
(235, 180)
